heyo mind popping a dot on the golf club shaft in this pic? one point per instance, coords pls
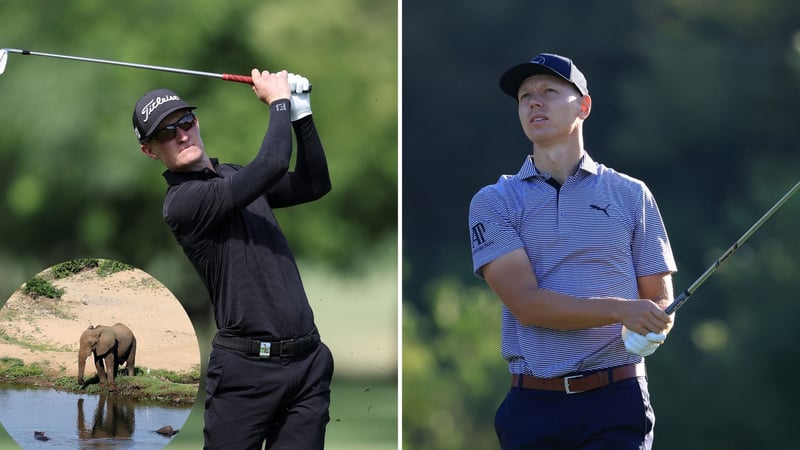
(684, 296)
(222, 76)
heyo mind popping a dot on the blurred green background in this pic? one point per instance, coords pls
(77, 186)
(697, 98)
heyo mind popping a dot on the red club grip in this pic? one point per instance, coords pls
(237, 78)
(244, 79)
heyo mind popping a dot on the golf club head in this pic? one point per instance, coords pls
(3, 60)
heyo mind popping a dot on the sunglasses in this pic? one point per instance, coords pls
(169, 132)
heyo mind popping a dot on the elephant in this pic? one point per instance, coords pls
(116, 345)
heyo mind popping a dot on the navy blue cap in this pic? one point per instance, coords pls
(543, 63)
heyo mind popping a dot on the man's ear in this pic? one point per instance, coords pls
(148, 151)
(585, 107)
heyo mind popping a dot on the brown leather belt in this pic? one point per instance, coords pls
(581, 382)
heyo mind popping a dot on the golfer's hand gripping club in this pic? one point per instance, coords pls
(646, 345)
(642, 345)
(249, 80)
(301, 97)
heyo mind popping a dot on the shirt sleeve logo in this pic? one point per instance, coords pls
(478, 237)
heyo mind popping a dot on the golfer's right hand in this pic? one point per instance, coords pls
(271, 86)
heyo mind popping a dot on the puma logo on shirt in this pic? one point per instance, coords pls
(605, 210)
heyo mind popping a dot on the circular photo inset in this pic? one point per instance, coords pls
(96, 353)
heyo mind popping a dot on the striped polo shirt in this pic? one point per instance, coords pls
(591, 238)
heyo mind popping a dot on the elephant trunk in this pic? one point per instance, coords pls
(82, 355)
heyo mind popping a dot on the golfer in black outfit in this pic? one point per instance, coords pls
(268, 375)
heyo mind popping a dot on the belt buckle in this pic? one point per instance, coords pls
(566, 384)
(264, 349)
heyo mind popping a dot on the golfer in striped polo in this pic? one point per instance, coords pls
(579, 256)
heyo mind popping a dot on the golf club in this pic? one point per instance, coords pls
(684, 296)
(222, 76)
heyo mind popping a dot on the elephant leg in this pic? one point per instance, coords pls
(131, 364)
(101, 371)
(111, 368)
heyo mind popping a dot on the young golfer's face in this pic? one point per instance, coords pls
(550, 108)
(177, 143)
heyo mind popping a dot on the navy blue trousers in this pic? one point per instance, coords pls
(616, 417)
(281, 401)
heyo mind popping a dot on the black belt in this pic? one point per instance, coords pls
(267, 348)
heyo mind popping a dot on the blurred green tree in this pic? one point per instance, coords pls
(450, 369)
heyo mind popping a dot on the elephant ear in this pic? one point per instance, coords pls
(105, 341)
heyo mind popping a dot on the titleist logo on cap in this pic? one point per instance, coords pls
(153, 104)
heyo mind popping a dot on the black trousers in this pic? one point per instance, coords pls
(281, 401)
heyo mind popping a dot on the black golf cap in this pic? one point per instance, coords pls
(152, 108)
(543, 63)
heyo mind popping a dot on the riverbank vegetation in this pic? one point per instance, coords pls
(151, 385)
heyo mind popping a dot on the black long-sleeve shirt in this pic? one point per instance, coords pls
(224, 221)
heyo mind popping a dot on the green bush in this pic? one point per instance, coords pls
(190, 377)
(38, 286)
(108, 267)
(13, 368)
(67, 383)
(72, 267)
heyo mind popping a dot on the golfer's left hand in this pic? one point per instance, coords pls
(642, 345)
(301, 96)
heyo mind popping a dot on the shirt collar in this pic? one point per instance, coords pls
(529, 170)
(175, 178)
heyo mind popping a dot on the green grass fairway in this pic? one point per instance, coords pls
(363, 415)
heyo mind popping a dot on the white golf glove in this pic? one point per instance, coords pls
(301, 96)
(642, 345)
